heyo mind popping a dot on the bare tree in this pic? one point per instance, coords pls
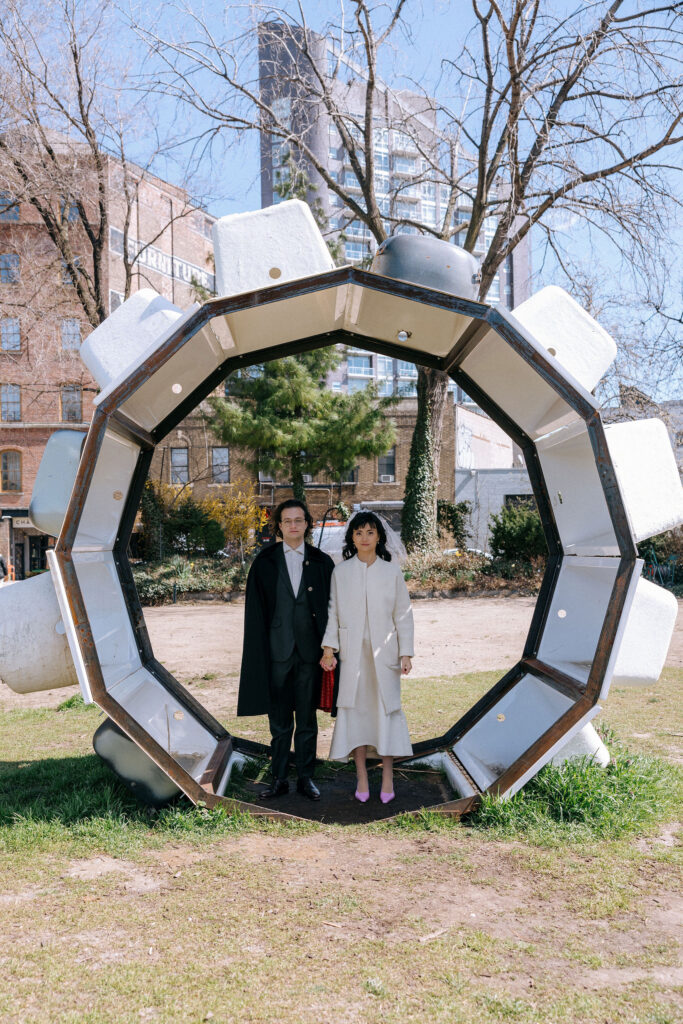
(66, 125)
(541, 114)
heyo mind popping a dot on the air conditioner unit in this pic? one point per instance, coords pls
(386, 478)
(307, 478)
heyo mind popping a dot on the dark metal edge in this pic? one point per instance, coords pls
(540, 747)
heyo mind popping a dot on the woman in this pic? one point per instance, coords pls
(370, 624)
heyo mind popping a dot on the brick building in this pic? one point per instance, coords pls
(44, 386)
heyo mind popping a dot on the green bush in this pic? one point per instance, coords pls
(452, 517)
(517, 534)
(192, 530)
(664, 545)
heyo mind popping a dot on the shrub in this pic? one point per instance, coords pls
(191, 529)
(239, 514)
(664, 545)
(517, 534)
(170, 524)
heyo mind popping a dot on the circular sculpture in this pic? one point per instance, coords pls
(599, 490)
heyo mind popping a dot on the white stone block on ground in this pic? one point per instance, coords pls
(568, 333)
(650, 484)
(584, 743)
(118, 343)
(34, 652)
(55, 480)
(647, 634)
(266, 247)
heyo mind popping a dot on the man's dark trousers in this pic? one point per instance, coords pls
(295, 652)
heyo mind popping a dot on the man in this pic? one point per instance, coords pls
(285, 616)
(3, 569)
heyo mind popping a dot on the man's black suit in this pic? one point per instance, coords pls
(282, 633)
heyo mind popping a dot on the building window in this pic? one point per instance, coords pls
(406, 390)
(385, 387)
(358, 384)
(10, 402)
(385, 366)
(71, 334)
(360, 366)
(428, 212)
(72, 404)
(282, 109)
(9, 268)
(351, 477)
(406, 369)
(404, 165)
(180, 466)
(386, 467)
(66, 273)
(10, 334)
(9, 207)
(10, 471)
(220, 465)
(356, 251)
(69, 211)
(493, 294)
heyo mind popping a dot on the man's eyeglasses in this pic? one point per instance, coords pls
(292, 522)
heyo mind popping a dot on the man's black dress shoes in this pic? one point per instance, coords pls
(307, 788)
(278, 787)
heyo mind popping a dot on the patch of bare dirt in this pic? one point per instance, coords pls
(452, 635)
(135, 881)
(671, 836)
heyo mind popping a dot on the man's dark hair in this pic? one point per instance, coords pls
(292, 503)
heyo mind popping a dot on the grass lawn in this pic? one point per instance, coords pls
(110, 914)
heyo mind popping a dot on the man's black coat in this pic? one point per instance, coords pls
(258, 615)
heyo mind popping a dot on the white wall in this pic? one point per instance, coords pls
(479, 442)
(486, 489)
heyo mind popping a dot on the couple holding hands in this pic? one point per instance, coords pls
(358, 612)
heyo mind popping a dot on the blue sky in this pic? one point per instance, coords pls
(228, 178)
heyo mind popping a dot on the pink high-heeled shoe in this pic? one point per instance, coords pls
(362, 797)
(386, 798)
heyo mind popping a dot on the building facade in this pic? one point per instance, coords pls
(44, 386)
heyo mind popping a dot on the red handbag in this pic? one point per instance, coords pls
(326, 691)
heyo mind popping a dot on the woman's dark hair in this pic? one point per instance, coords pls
(292, 503)
(366, 519)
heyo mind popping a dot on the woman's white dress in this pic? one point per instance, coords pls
(367, 723)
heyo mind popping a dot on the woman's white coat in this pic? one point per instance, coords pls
(390, 619)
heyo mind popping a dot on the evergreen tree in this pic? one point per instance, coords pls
(291, 424)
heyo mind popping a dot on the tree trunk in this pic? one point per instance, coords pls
(418, 524)
(422, 482)
(298, 488)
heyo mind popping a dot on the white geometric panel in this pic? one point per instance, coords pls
(568, 333)
(118, 343)
(641, 649)
(264, 247)
(648, 476)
